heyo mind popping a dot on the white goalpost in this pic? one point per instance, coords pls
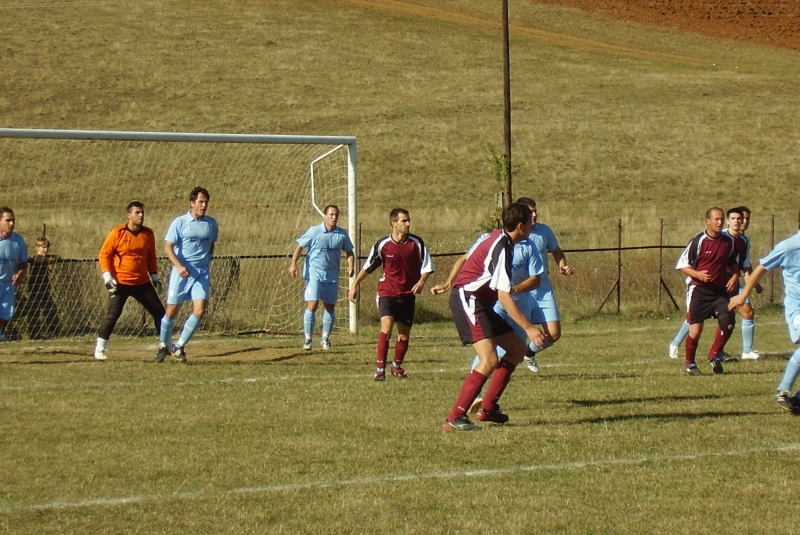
(266, 190)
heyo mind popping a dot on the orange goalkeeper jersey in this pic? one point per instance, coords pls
(129, 257)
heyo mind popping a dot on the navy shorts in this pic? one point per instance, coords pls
(705, 303)
(400, 308)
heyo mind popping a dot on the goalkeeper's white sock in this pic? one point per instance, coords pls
(101, 344)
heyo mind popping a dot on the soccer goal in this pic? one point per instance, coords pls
(266, 190)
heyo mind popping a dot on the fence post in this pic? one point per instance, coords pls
(660, 257)
(619, 264)
(618, 284)
(772, 272)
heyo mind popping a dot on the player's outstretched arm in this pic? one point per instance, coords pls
(752, 281)
(441, 288)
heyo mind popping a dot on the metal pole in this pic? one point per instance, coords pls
(507, 104)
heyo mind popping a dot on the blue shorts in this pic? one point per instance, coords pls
(196, 286)
(792, 314)
(8, 300)
(327, 292)
(544, 309)
(524, 303)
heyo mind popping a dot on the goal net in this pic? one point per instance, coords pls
(265, 192)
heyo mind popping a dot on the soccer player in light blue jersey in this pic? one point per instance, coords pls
(324, 242)
(189, 245)
(544, 311)
(785, 255)
(13, 267)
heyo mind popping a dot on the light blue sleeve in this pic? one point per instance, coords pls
(307, 238)
(173, 232)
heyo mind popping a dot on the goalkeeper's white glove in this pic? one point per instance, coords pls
(111, 284)
(156, 281)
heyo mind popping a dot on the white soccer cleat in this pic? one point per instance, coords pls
(307, 344)
(325, 344)
(673, 351)
(100, 354)
(531, 363)
(753, 355)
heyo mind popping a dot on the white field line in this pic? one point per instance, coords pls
(377, 480)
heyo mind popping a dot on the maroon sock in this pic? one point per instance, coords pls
(720, 339)
(400, 349)
(469, 391)
(500, 379)
(691, 349)
(382, 350)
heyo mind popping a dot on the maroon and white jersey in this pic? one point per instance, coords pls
(403, 264)
(742, 249)
(712, 255)
(488, 267)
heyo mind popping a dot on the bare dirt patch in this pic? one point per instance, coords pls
(766, 22)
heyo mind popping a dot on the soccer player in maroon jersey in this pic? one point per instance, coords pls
(711, 261)
(482, 280)
(407, 264)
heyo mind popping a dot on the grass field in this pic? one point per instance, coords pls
(255, 436)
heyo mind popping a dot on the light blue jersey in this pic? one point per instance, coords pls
(193, 238)
(544, 241)
(323, 259)
(525, 264)
(13, 252)
(786, 255)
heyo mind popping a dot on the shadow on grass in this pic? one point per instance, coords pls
(669, 416)
(659, 399)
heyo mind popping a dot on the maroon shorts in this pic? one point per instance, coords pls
(474, 319)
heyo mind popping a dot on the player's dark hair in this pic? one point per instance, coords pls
(134, 204)
(325, 211)
(394, 215)
(514, 214)
(526, 201)
(712, 210)
(196, 193)
(745, 209)
(737, 210)
(6, 210)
